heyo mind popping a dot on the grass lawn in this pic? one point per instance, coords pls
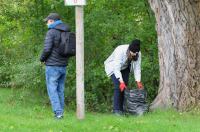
(20, 116)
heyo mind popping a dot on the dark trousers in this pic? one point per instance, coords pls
(118, 95)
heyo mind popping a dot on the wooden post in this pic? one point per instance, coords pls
(80, 109)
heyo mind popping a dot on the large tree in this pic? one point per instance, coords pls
(178, 30)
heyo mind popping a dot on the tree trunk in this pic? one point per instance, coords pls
(178, 29)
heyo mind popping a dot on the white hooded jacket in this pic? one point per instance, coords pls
(117, 61)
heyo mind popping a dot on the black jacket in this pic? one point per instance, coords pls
(50, 53)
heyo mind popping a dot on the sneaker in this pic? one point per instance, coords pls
(58, 116)
(117, 112)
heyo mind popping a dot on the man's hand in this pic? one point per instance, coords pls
(139, 85)
(122, 86)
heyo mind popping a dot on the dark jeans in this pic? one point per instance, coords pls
(118, 95)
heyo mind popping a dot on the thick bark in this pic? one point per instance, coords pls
(178, 29)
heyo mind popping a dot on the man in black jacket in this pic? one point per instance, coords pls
(55, 63)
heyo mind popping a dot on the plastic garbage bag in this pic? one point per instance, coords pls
(135, 101)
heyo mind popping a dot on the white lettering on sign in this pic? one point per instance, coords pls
(75, 2)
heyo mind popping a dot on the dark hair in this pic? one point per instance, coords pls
(135, 58)
(134, 46)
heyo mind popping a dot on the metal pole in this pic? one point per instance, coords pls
(80, 111)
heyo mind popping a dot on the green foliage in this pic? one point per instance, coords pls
(107, 25)
(28, 75)
(111, 23)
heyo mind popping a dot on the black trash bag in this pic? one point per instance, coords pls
(135, 101)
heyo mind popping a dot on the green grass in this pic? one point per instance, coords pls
(18, 115)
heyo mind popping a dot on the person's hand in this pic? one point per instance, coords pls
(139, 85)
(122, 86)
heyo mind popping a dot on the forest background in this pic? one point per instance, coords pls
(107, 24)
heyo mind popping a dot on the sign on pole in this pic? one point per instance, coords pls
(80, 103)
(75, 2)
